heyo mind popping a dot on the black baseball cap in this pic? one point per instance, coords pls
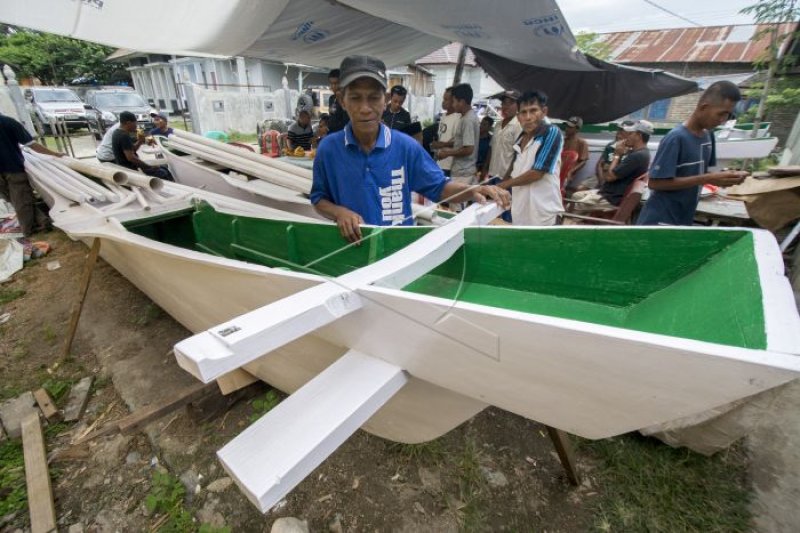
(159, 115)
(127, 116)
(355, 67)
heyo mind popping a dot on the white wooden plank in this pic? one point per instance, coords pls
(273, 455)
(235, 343)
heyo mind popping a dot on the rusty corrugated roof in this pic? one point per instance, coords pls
(718, 44)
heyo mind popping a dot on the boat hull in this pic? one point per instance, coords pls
(183, 283)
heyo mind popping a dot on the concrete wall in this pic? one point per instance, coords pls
(482, 84)
(234, 110)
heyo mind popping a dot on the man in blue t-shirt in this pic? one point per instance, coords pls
(365, 173)
(685, 154)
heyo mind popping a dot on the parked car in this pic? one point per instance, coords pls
(51, 103)
(106, 105)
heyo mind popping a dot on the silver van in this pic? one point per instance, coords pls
(51, 103)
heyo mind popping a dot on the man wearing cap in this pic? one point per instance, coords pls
(506, 132)
(573, 142)
(162, 128)
(606, 157)
(630, 160)
(124, 148)
(365, 174)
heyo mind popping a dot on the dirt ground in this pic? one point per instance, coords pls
(497, 472)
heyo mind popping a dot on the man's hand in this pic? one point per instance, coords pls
(442, 153)
(728, 178)
(349, 224)
(501, 196)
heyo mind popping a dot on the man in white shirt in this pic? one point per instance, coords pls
(506, 132)
(536, 198)
(447, 130)
(104, 153)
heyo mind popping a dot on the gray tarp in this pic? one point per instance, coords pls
(532, 34)
(605, 94)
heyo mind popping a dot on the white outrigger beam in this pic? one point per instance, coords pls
(272, 456)
(233, 344)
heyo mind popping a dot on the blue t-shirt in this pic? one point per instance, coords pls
(377, 185)
(681, 154)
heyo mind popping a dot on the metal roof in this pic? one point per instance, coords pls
(717, 44)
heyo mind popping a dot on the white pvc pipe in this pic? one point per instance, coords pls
(54, 175)
(259, 159)
(272, 175)
(75, 183)
(56, 187)
(140, 198)
(98, 171)
(152, 196)
(142, 180)
(87, 182)
(119, 205)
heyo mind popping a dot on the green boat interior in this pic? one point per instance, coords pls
(701, 285)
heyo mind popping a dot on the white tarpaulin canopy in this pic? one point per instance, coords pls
(321, 33)
(313, 32)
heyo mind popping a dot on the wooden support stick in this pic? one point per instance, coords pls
(142, 417)
(40, 493)
(565, 454)
(88, 268)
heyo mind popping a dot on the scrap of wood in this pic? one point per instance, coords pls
(77, 307)
(235, 380)
(46, 404)
(147, 414)
(78, 397)
(40, 493)
(135, 421)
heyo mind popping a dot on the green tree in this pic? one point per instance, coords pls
(590, 44)
(772, 12)
(57, 60)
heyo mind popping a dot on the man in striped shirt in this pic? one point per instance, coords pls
(300, 132)
(536, 199)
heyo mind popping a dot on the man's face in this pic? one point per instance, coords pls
(396, 102)
(303, 119)
(716, 114)
(160, 123)
(508, 108)
(447, 102)
(485, 127)
(130, 127)
(631, 138)
(460, 106)
(570, 131)
(364, 100)
(334, 83)
(530, 115)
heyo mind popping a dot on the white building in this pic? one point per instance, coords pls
(442, 64)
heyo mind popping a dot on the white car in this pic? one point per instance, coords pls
(51, 103)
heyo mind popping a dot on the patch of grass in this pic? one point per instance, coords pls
(54, 429)
(57, 388)
(10, 391)
(237, 136)
(20, 350)
(645, 485)
(208, 528)
(49, 334)
(471, 487)
(8, 294)
(166, 498)
(431, 452)
(13, 494)
(150, 313)
(262, 406)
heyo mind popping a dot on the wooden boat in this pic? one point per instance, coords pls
(596, 331)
